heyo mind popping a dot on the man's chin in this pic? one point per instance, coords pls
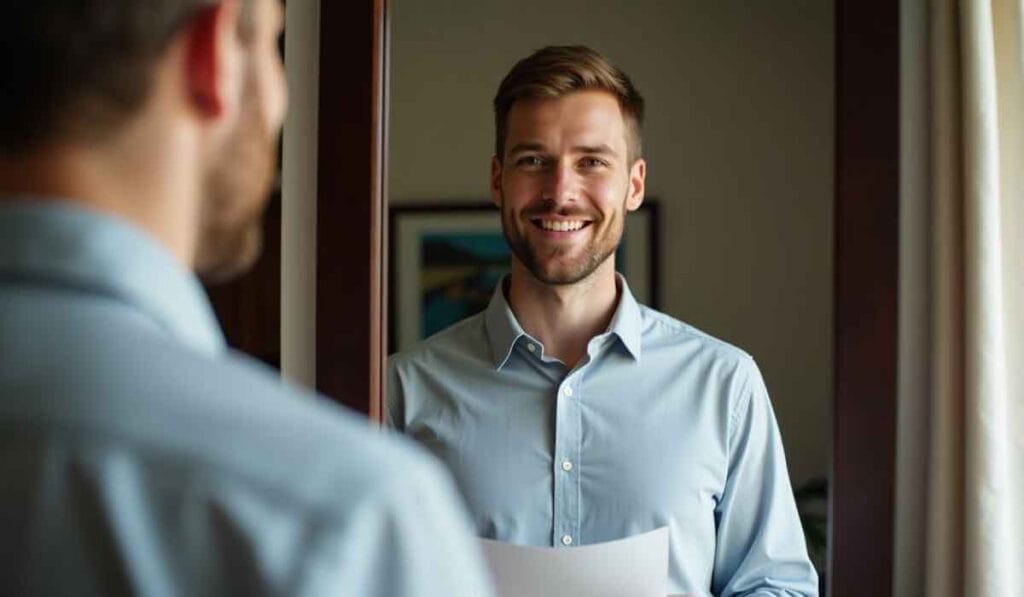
(560, 275)
(565, 271)
(231, 260)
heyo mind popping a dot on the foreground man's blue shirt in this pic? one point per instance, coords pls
(139, 456)
(658, 425)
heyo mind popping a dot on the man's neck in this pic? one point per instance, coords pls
(564, 318)
(148, 191)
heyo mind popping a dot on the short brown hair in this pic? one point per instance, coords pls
(81, 67)
(556, 71)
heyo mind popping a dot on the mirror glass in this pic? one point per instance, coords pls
(738, 138)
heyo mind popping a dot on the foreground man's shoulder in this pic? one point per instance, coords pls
(353, 444)
(238, 417)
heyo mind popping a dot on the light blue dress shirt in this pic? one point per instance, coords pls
(139, 456)
(658, 425)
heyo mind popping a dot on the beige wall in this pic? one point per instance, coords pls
(739, 142)
(298, 193)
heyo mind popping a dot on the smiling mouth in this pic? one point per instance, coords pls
(560, 225)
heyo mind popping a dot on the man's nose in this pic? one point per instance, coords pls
(561, 185)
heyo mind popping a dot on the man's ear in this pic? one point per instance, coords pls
(637, 178)
(211, 58)
(496, 180)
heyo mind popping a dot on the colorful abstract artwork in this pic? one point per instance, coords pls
(458, 274)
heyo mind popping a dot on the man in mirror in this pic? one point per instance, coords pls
(138, 454)
(569, 413)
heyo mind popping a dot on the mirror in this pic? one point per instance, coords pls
(739, 142)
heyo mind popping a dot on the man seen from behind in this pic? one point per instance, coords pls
(138, 454)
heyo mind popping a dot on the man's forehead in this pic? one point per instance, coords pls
(584, 118)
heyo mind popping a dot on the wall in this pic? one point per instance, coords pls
(739, 142)
(298, 189)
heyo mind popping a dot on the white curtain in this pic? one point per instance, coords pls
(960, 474)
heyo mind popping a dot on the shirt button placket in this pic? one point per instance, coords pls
(566, 481)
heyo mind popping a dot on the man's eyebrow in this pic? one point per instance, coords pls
(602, 149)
(529, 146)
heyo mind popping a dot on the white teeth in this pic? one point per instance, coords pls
(561, 226)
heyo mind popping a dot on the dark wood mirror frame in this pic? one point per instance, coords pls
(351, 315)
(351, 216)
(866, 297)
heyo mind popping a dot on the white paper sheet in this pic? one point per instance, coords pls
(633, 567)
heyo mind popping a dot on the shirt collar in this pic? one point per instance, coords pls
(503, 329)
(627, 322)
(64, 244)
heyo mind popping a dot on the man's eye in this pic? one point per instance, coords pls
(592, 162)
(530, 161)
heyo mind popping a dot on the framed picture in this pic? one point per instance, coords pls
(446, 259)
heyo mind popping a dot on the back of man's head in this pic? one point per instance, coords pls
(165, 112)
(77, 69)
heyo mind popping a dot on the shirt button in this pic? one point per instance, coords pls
(567, 391)
(566, 540)
(531, 347)
(566, 466)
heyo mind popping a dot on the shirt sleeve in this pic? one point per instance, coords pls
(412, 540)
(760, 548)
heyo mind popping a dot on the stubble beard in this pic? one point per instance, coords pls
(594, 254)
(236, 190)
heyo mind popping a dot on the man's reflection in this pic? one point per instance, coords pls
(571, 414)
